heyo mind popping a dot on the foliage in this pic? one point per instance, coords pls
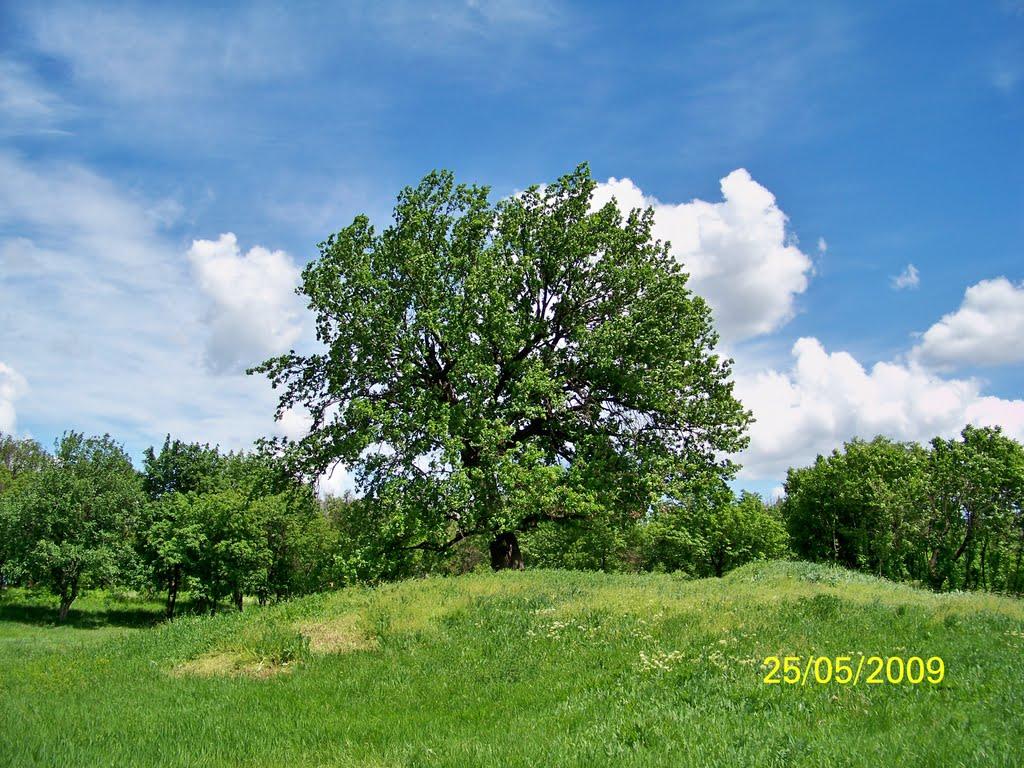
(70, 525)
(861, 507)
(949, 515)
(227, 525)
(19, 459)
(597, 544)
(705, 538)
(489, 367)
(182, 467)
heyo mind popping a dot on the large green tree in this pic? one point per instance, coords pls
(489, 366)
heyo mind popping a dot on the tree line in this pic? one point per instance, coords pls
(221, 527)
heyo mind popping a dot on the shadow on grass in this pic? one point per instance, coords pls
(42, 615)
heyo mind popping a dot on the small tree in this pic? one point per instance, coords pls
(975, 493)
(862, 507)
(172, 542)
(234, 556)
(709, 536)
(19, 461)
(71, 524)
(491, 367)
(297, 540)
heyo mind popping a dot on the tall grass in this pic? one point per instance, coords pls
(517, 669)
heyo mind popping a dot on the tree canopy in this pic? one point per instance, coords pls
(490, 366)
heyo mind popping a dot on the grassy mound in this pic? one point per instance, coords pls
(533, 668)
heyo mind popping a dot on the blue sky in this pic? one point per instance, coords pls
(856, 139)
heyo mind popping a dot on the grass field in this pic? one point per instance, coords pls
(517, 669)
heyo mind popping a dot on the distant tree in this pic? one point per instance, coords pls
(596, 544)
(360, 553)
(709, 536)
(862, 507)
(489, 367)
(71, 524)
(298, 541)
(172, 540)
(975, 495)
(182, 467)
(18, 458)
(19, 461)
(948, 514)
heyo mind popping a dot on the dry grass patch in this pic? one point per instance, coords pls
(228, 664)
(343, 634)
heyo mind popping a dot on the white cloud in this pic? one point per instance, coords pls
(987, 329)
(828, 398)
(252, 308)
(739, 253)
(908, 278)
(100, 311)
(335, 482)
(12, 386)
(822, 245)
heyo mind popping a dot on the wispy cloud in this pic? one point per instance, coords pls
(27, 106)
(12, 387)
(152, 53)
(102, 316)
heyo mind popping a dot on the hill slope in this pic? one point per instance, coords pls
(532, 668)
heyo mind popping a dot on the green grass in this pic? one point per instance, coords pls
(518, 669)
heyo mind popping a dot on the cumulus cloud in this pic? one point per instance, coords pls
(826, 398)
(252, 308)
(739, 252)
(987, 329)
(12, 386)
(908, 278)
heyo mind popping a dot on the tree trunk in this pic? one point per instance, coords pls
(984, 552)
(505, 552)
(238, 599)
(172, 591)
(67, 597)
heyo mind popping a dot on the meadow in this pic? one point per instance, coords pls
(516, 669)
